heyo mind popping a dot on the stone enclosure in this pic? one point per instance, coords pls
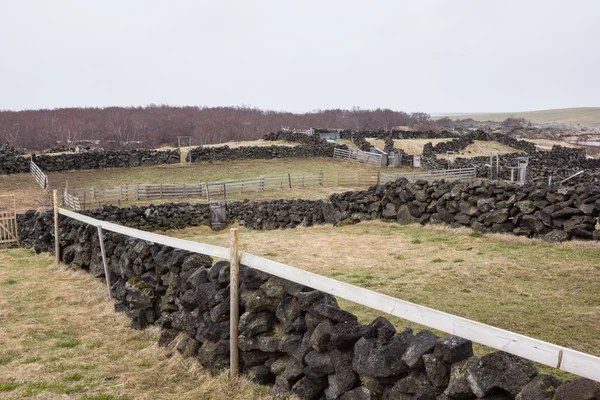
(12, 163)
(296, 339)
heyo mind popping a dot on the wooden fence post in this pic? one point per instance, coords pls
(56, 238)
(137, 191)
(290, 180)
(84, 193)
(321, 178)
(233, 304)
(104, 262)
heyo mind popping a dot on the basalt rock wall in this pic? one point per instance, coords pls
(535, 210)
(226, 153)
(12, 164)
(296, 339)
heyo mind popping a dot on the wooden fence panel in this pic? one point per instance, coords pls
(359, 156)
(38, 175)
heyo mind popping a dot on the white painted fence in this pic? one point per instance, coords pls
(358, 156)
(38, 175)
(563, 358)
(207, 190)
(447, 174)
(70, 200)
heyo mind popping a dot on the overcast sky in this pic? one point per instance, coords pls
(434, 56)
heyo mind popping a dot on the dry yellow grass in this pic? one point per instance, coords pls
(411, 146)
(547, 291)
(61, 339)
(483, 148)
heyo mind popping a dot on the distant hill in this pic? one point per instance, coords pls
(585, 116)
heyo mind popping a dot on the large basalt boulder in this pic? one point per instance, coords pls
(579, 389)
(310, 388)
(422, 343)
(452, 349)
(382, 360)
(542, 387)
(459, 386)
(500, 370)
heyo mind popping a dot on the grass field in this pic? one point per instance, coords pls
(28, 192)
(547, 291)
(586, 116)
(483, 148)
(411, 146)
(61, 339)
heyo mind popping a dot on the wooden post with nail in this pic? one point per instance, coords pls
(56, 233)
(234, 311)
(104, 262)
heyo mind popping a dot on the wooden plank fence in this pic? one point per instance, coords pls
(207, 190)
(9, 232)
(549, 354)
(447, 174)
(359, 156)
(38, 175)
(70, 201)
(221, 189)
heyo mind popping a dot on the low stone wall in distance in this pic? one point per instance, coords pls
(12, 163)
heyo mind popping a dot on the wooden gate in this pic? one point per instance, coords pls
(218, 214)
(9, 235)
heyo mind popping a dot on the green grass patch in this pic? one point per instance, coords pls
(74, 377)
(438, 260)
(9, 282)
(68, 344)
(8, 386)
(7, 357)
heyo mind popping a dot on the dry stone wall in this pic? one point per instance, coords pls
(12, 163)
(226, 153)
(552, 213)
(296, 339)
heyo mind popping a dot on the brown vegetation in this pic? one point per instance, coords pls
(151, 126)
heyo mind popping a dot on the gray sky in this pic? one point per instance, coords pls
(432, 56)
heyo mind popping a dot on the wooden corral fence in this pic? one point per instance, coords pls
(38, 175)
(70, 201)
(359, 156)
(221, 189)
(206, 190)
(447, 174)
(9, 232)
(266, 182)
(549, 354)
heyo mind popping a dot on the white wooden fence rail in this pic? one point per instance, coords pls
(563, 358)
(358, 156)
(70, 200)
(38, 175)
(447, 174)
